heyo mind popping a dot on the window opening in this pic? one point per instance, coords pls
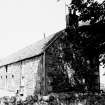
(6, 68)
(12, 76)
(22, 77)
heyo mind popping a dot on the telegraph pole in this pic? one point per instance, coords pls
(44, 69)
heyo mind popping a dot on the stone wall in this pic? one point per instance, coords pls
(13, 76)
(29, 75)
(24, 75)
(2, 78)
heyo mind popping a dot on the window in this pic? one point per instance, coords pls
(22, 77)
(6, 68)
(12, 76)
(1, 77)
(6, 76)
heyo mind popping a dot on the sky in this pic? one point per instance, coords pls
(23, 22)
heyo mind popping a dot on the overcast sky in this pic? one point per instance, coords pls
(23, 22)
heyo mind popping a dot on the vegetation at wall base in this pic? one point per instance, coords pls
(58, 99)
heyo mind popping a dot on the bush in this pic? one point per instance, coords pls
(59, 99)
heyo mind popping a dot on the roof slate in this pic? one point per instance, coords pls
(32, 50)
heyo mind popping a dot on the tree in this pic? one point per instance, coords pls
(86, 45)
(73, 60)
(88, 10)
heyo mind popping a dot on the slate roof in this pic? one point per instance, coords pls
(38, 48)
(32, 50)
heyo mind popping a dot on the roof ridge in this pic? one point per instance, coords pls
(29, 51)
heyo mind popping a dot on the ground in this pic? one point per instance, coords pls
(6, 93)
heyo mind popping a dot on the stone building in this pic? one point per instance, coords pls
(28, 69)
(25, 69)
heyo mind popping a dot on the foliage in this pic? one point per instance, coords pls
(88, 10)
(60, 99)
(73, 59)
(90, 43)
